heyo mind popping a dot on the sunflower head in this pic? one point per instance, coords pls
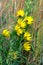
(27, 36)
(20, 13)
(16, 27)
(29, 20)
(19, 32)
(26, 46)
(21, 23)
(6, 33)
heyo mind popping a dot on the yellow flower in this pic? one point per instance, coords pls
(19, 31)
(16, 27)
(29, 19)
(6, 33)
(27, 36)
(21, 23)
(20, 13)
(26, 46)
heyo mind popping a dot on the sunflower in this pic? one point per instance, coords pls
(19, 31)
(21, 23)
(29, 20)
(6, 33)
(27, 36)
(16, 27)
(20, 13)
(26, 46)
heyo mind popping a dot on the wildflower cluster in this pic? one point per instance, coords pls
(21, 29)
(22, 37)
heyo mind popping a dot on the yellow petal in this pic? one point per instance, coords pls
(20, 13)
(26, 46)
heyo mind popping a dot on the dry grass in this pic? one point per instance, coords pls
(9, 7)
